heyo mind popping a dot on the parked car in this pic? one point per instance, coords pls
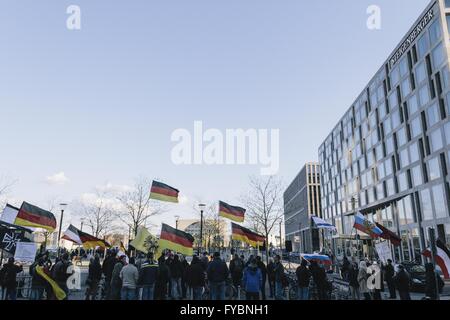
(417, 273)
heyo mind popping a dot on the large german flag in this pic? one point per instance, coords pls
(236, 214)
(163, 192)
(240, 233)
(32, 216)
(176, 240)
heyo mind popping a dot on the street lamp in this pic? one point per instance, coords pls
(176, 221)
(202, 207)
(63, 206)
(82, 223)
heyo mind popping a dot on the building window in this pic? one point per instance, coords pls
(416, 127)
(434, 171)
(416, 174)
(440, 203)
(414, 152)
(447, 132)
(403, 182)
(421, 73)
(427, 209)
(413, 107)
(435, 32)
(424, 95)
(404, 158)
(401, 137)
(436, 140)
(433, 115)
(422, 46)
(438, 56)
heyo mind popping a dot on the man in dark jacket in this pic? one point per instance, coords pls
(116, 281)
(162, 279)
(147, 277)
(61, 273)
(403, 282)
(303, 279)
(271, 277)
(38, 284)
(176, 272)
(389, 274)
(236, 270)
(94, 277)
(195, 278)
(9, 272)
(107, 269)
(263, 269)
(353, 281)
(320, 280)
(279, 277)
(431, 279)
(217, 275)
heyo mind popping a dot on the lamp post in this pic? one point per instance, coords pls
(176, 221)
(63, 207)
(82, 223)
(202, 207)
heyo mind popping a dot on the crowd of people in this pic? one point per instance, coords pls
(112, 275)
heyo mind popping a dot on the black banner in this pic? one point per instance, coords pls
(9, 238)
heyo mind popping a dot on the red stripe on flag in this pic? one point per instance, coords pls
(176, 239)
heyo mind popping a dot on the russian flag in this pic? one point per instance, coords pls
(364, 225)
(319, 258)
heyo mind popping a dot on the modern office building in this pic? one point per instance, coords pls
(389, 155)
(301, 201)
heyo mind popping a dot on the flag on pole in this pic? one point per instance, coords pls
(389, 235)
(240, 233)
(140, 242)
(442, 257)
(233, 213)
(176, 240)
(32, 216)
(163, 192)
(364, 225)
(82, 238)
(319, 258)
(322, 224)
(11, 235)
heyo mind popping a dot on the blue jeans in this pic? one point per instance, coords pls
(128, 294)
(148, 292)
(11, 294)
(217, 290)
(197, 293)
(176, 291)
(279, 291)
(36, 293)
(303, 293)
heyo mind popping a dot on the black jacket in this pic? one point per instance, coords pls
(263, 269)
(353, 277)
(217, 270)
(303, 276)
(9, 275)
(95, 271)
(271, 271)
(108, 266)
(389, 272)
(402, 281)
(148, 273)
(176, 269)
(195, 275)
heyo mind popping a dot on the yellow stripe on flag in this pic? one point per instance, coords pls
(164, 244)
(26, 223)
(59, 293)
(231, 217)
(162, 197)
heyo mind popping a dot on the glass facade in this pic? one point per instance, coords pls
(388, 157)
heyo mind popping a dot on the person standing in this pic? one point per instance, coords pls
(320, 280)
(403, 282)
(389, 274)
(130, 276)
(217, 273)
(195, 278)
(431, 279)
(94, 277)
(37, 282)
(61, 273)
(147, 277)
(362, 280)
(252, 280)
(176, 272)
(184, 266)
(107, 269)
(271, 277)
(263, 269)
(353, 281)
(279, 277)
(162, 279)
(345, 268)
(9, 272)
(303, 280)
(116, 281)
(236, 270)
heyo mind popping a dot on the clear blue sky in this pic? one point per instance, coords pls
(100, 104)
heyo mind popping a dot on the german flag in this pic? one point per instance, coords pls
(82, 238)
(57, 291)
(163, 192)
(240, 233)
(231, 212)
(32, 216)
(176, 240)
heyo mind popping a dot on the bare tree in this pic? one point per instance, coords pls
(137, 206)
(5, 186)
(264, 205)
(99, 213)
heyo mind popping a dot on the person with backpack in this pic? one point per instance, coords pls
(236, 270)
(9, 278)
(60, 273)
(252, 280)
(147, 277)
(303, 280)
